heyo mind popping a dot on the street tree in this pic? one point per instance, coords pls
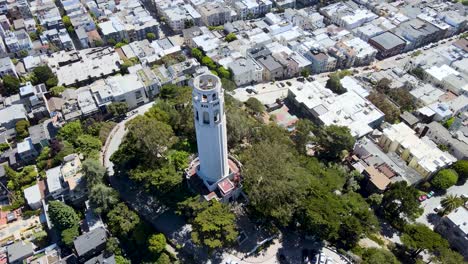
(444, 179)
(69, 234)
(230, 37)
(450, 203)
(418, 237)
(88, 145)
(400, 204)
(378, 256)
(447, 256)
(461, 167)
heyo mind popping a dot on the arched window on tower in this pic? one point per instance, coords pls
(214, 96)
(206, 118)
(216, 117)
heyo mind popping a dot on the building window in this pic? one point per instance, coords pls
(216, 117)
(206, 118)
(214, 96)
(196, 115)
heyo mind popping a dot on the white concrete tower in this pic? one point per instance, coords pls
(210, 126)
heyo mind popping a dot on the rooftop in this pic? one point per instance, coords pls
(459, 217)
(388, 40)
(90, 240)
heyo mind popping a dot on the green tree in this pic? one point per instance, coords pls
(93, 171)
(215, 227)
(334, 83)
(43, 74)
(450, 203)
(122, 220)
(392, 113)
(119, 45)
(69, 234)
(113, 246)
(223, 72)
(21, 128)
(335, 139)
(150, 36)
(66, 21)
(378, 256)
(228, 85)
(162, 180)
(447, 256)
(461, 167)
(207, 61)
(63, 216)
(4, 146)
(400, 204)
(23, 53)
(444, 179)
(197, 53)
(70, 131)
(419, 237)
(152, 136)
(88, 145)
(305, 73)
(11, 84)
(117, 108)
(448, 123)
(179, 159)
(230, 37)
(156, 244)
(303, 134)
(418, 72)
(278, 197)
(57, 90)
(111, 41)
(375, 199)
(122, 260)
(163, 259)
(103, 198)
(254, 105)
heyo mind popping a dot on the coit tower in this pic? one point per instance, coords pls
(210, 127)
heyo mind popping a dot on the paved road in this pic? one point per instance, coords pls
(139, 201)
(429, 217)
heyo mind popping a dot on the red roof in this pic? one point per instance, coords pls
(226, 186)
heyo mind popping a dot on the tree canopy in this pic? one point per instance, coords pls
(103, 198)
(444, 179)
(334, 139)
(22, 128)
(461, 167)
(122, 220)
(254, 105)
(419, 237)
(11, 84)
(378, 256)
(214, 227)
(400, 204)
(63, 216)
(117, 108)
(156, 243)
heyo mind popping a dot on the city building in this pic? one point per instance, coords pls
(78, 68)
(90, 244)
(326, 108)
(19, 252)
(246, 71)
(33, 196)
(387, 44)
(214, 13)
(421, 154)
(7, 67)
(454, 227)
(442, 136)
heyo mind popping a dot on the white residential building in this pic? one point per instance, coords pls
(121, 88)
(246, 71)
(325, 107)
(421, 154)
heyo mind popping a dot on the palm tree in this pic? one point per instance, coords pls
(450, 203)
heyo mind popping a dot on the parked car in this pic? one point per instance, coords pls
(422, 198)
(430, 194)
